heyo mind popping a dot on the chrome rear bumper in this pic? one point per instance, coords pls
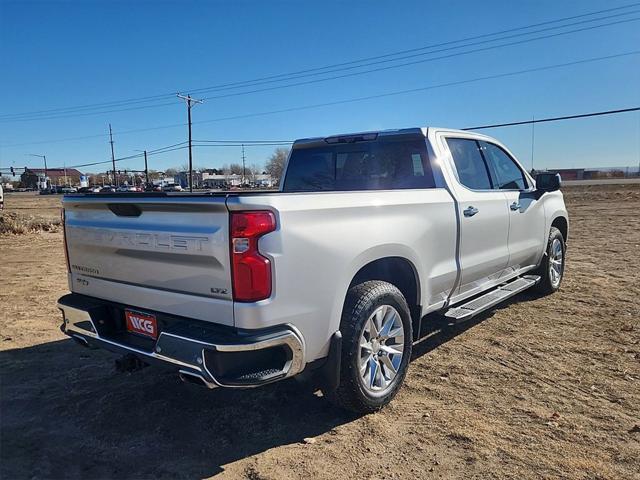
(195, 358)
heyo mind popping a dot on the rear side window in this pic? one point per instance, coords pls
(382, 164)
(471, 168)
(507, 174)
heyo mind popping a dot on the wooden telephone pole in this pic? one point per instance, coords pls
(190, 103)
(113, 158)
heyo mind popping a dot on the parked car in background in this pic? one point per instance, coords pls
(172, 187)
(108, 189)
(332, 275)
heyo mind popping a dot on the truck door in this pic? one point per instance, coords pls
(527, 235)
(484, 217)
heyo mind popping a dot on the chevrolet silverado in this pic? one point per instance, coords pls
(332, 274)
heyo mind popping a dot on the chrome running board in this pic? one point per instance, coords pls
(491, 298)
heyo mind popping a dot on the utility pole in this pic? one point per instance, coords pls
(46, 173)
(146, 169)
(113, 157)
(243, 169)
(190, 103)
(533, 138)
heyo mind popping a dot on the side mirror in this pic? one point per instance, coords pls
(548, 182)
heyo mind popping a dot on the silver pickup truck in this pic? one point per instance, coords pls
(331, 276)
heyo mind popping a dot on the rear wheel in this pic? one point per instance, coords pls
(551, 269)
(376, 347)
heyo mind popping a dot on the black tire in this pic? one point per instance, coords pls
(361, 302)
(547, 285)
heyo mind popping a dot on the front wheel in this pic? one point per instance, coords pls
(551, 270)
(376, 347)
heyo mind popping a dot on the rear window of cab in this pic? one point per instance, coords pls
(381, 164)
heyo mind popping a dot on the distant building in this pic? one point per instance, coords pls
(34, 177)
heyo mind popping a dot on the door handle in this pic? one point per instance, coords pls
(515, 206)
(470, 211)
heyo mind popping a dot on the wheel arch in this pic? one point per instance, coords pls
(398, 271)
(562, 224)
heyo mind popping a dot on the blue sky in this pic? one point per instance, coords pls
(67, 54)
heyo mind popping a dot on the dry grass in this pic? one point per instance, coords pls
(12, 223)
(32, 204)
(29, 212)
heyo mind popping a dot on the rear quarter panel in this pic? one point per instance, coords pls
(323, 239)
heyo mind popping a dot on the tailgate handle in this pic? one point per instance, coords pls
(125, 209)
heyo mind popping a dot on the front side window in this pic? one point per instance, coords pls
(508, 175)
(471, 168)
(382, 164)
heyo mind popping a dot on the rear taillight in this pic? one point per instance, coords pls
(250, 271)
(64, 236)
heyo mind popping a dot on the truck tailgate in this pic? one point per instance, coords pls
(166, 253)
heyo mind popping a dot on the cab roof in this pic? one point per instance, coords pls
(359, 137)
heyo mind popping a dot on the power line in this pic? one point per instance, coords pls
(554, 119)
(85, 114)
(424, 47)
(61, 140)
(245, 142)
(420, 89)
(307, 82)
(159, 150)
(378, 69)
(139, 155)
(180, 146)
(442, 57)
(350, 64)
(355, 99)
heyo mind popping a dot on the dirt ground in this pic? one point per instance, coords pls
(538, 388)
